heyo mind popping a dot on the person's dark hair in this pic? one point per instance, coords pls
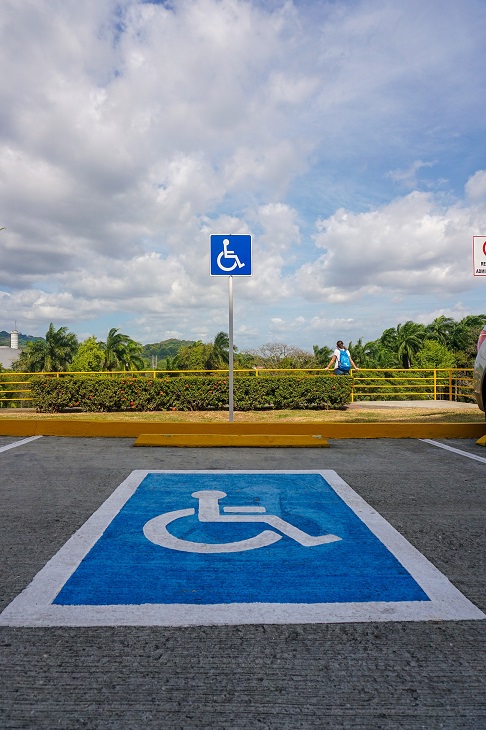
(339, 343)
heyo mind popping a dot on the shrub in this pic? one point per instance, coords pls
(138, 393)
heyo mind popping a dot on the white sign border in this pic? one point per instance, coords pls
(222, 274)
(34, 607)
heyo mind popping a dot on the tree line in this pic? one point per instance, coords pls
(60, 351)
(444, 343)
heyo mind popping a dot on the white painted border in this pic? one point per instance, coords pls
(454, 450)
(19, 443)
(33, 607)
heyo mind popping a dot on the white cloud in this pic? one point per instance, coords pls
(408, 176)
(476, 186)
(131, 131)
(457, 312)
(413, 245)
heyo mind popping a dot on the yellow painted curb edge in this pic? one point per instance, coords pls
(133, 429)
(201, 440)
(481, 441)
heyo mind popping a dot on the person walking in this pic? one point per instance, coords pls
(342, 360)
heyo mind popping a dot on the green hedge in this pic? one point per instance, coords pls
(108, 393)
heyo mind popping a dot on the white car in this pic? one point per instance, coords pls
(479, 377)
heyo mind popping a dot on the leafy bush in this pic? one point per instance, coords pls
(139, 393)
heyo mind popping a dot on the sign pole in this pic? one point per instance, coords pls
(230, 329)
(230, 255)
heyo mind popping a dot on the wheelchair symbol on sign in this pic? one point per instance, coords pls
(228, 255)
(156, 530)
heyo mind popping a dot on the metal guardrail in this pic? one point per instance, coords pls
(12, 388)
(368, 384)
(425, 384)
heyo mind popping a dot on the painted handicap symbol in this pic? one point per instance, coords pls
(156, 530)
(231, 255)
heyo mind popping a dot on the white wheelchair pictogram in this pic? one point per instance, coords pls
(156, 530)
(231, 255)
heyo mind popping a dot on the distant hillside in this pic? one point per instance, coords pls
(164, 349)
(23, 339)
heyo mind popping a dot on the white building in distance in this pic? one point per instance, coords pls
(9, 354)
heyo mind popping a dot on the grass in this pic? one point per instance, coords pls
(465, 414)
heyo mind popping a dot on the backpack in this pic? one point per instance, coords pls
(344, 361)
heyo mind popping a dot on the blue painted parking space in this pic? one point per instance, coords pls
(135, 561)
(216, 547)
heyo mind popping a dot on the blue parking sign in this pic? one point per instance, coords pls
(229, 547)
(230, 255)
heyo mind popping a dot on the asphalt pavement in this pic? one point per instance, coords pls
(423, 674)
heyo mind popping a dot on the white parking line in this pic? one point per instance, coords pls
(19, 443)
(456, 451)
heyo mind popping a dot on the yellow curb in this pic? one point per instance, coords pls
(198, 440)
(481, 441)
(133, 429)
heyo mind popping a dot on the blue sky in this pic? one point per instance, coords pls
(347, 137)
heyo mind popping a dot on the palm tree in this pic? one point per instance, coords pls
(219, 357)
(410, 337)
(61, 346)
(403, 341)
(133, 356)
(52, 354)
(465, 338)
(121, 352)
(474, 320)
(113, 349)
(388, 340)
(441, 329)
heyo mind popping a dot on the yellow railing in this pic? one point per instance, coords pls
(422, 384)
(367, 384)
(12, 389)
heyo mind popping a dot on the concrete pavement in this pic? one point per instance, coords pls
(365, 675)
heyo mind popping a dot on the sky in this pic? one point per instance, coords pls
(347, 137)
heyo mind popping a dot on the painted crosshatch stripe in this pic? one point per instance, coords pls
(229, 547)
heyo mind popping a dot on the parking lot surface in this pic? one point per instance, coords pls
(424, 674)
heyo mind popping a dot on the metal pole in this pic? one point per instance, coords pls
(230, 309)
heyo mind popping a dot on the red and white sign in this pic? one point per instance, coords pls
(479, 255)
